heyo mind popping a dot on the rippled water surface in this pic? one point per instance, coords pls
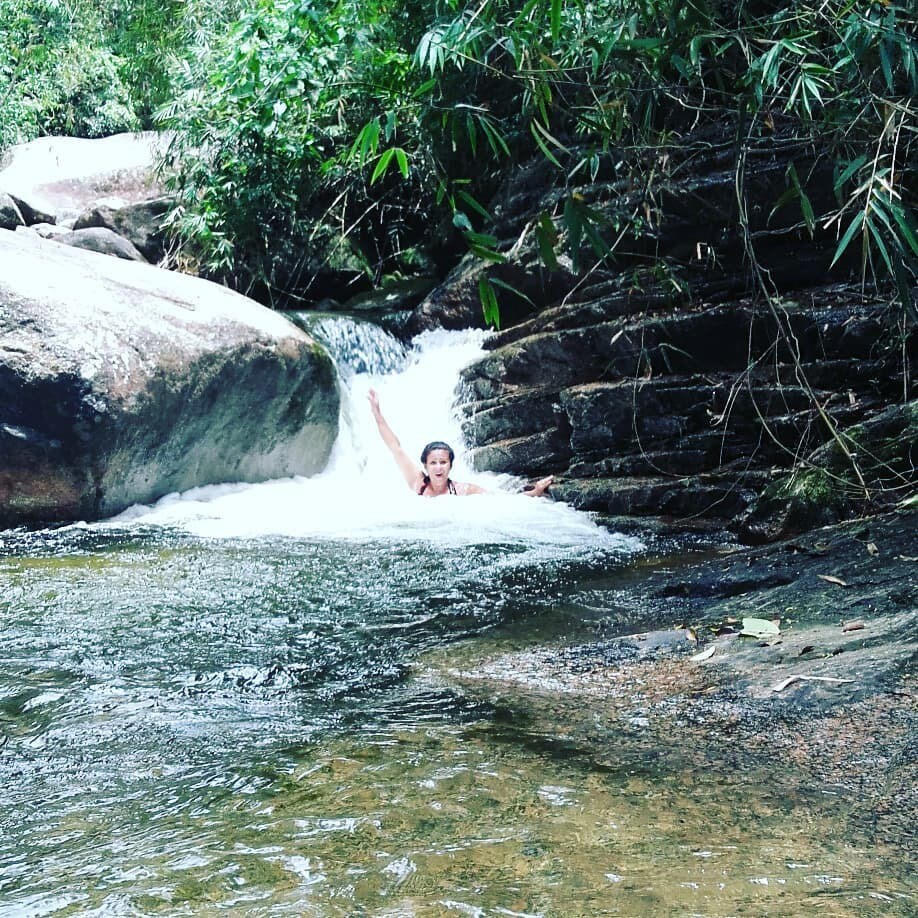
(221, 705)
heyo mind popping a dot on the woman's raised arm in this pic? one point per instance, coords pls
(408, 468)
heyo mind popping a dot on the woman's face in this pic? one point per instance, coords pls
(438, 465)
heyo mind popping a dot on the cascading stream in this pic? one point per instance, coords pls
(361, 493)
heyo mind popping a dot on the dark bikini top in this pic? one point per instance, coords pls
(450, 487)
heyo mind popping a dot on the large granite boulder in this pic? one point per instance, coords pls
(120, 382)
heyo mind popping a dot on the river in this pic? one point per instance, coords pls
(229, 703)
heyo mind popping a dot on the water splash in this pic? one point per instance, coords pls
(361, 494)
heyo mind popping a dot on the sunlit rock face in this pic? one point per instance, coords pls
(57, 178)
(108, 184)
(120, 382)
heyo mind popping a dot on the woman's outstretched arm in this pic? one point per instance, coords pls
(540, 487)
(408, 468)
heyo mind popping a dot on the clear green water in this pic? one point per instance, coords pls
(203, 727)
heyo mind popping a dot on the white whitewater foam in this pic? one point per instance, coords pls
(361, 494)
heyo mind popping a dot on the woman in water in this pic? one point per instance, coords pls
(437, 460)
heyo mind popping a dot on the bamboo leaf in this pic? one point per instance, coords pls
(465, 196)
(541, 145)
(546, 250)
(788, 195)
(495, 138)
(901, 216)
(401, 158)
(849, 170)
(487, 254)
(485, 239)
(511, 289)
(547, 239)
(549, 136)
(881, 245)
(805, 205)
(382, 165)
(598, 244)
(886, 64)
(853, 227)
(424, 88)
(472, 133)
(488, 298)
(556, 20)
(573, 223)
(366, 142)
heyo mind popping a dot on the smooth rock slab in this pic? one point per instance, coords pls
(121, 382)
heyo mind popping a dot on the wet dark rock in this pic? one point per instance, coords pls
(663, 416)
(10, 214)
(31, 213)
(390, 305)
(685, 371)
(880, 452)
(121, 382)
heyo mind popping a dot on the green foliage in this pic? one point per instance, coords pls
(260, 130)
(89, 69)
(332, 113)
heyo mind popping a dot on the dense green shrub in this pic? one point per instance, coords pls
(359, 114)
(377, 122)
(89, 69)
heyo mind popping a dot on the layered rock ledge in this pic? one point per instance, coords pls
(688, 415)
(707, 361)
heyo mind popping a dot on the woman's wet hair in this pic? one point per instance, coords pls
(437, 444)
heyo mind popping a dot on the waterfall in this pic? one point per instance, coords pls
(361, 494)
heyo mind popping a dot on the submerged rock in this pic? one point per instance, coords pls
(120, 383)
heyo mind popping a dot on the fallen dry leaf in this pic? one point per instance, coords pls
(790, 680)
(853, 626)
(829, 578)
(705, 654)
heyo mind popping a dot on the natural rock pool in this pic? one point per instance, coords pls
(234, 702)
